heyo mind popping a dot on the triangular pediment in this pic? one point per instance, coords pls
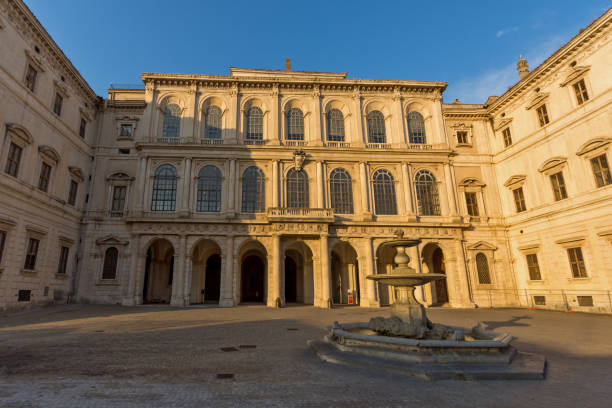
(111, 240)
(482, 246)
(576, 73)
(502, 123)
(539, 98)
(519, 178)
(593, 144)
(119, 177)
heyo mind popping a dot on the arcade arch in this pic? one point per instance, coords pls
(344, 274)
(159, 272)
(205, 272)
(253, 273)
(298, 276)
(433, 262)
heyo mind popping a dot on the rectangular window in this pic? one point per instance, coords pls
(601, 170)
(57, 104)
(13, 159)
(472, 204)
(72, 193)
(83, 128)
(45, 176)
(119, 193)
(558, 185)
(462, 137)
(539, 300)
(30, 79)
(2, 241)
(24, 295)
(542, 115)
(534, 268)
(577, 262)
(519, 199)
(585, 301)
(507, 137)
(63, 260)
(581, 92)
(30, 261)
(125, 130)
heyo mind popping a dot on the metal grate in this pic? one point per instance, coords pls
(539, 300)
(209, 189)
(253, 190)
(24, 295)
(427, 193)
(164, 189)
(376, 127)
(384, 192)
(585, 300)
(228, 349)
(482, 266)
(341, 191)
(416, 128)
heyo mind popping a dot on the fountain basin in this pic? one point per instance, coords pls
(406, 279)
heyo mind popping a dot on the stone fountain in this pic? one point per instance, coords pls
(409, 343)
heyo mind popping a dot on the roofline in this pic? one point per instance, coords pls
(581, 38)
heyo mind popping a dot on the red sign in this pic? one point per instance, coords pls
(350, 300)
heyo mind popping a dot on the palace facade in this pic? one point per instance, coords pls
(279, 186)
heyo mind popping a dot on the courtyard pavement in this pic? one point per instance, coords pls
(160, 356)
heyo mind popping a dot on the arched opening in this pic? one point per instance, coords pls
(298, 274)
(344, 275)
(253, 279)
(205, 273)
(384, 264)
(433, 261)
(159, 272)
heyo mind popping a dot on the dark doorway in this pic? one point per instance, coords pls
(212, 282)
(290, 280)
(252, 279)
(145, 286)
(440, 285)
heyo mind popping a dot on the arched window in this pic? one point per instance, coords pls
(376, 127)
(295, 124)
(335, 126)
(341, 191)
(164, 189)
(482, 266)
(427, 193)
(253, 190)
(213, 122)
(297, 189)
(172, 121)
(209, 189)
(384, 192)
(109, 271)
(254, 124)
(416, 128)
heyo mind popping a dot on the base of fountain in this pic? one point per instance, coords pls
(481, 355)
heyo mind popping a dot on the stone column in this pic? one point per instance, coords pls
(482, 209)
(233, 112)
(140, 183)
(275, 184)
(130, 299)
(178, 280)
(227, 279)
(188, 278)
(320, 184)
(461, 285)
(370, 269)
(231, 188)
(317, 138)
(275, 120)
(148, 184)
(358, 139)
(325, 273)
(274, 287)
(450, 189)
(399, 133)
(407, 189)
(186, 185)
(363, 178)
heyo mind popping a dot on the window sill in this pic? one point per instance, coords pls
(29, 272)
(62, 276)
(107, 282)
(585, 279)
(536, 282)
(125, 138)
(464, 145)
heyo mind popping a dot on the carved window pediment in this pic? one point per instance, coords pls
(76, 172)
(20, 133)
(502, 123)
(119, 177)
(49, 153)
(515, 181)
(594, 146)
(35, 61)
(111, 240)
(575, 74)
(482, 246)
(472, 182)
(61, 88)
(552, 164)
(539, 99)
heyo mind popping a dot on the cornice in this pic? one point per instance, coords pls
(580, 40)
(29, 25)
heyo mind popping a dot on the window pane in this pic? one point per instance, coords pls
(384, 192)
(73, 192)
(45, 174)
(416, 128)
(109, 270)
(295, 124)
(31, 78)
(376, 127)
(253, 190)
(254, 124)
(507, 137)
(164, 189)
(472, 204)
(577, 262)
(63, 260)
(558, 185)
(213, 122)
(335, 126)
(57, 104)
(534, 268)
(519, 199)
(209, 189)
(82, 128)
(30, 261)
(297, 189)
(482, 266)
(581, 92)
(601, 170)
(427, 193)
(172, 121)
(12, 162)
(119, 193)
(341, 191)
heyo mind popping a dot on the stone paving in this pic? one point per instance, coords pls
(159, 356)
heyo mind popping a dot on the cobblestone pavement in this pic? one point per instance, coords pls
(159, 356)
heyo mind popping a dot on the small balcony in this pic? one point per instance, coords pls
(343, 145)
(301, 214)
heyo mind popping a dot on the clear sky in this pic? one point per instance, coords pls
(473, 45)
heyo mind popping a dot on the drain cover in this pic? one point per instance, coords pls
(292, 329)
(247, 346)
(225, 376)
(227, 349)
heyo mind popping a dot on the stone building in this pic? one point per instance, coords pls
(279, 186)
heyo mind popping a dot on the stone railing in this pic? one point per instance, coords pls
(105, 213)
(282, 213)
(338, 144)
(254, 142)
(211, 141)
(300, 143)
(378, 145)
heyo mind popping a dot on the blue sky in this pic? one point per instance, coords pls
(473, 45)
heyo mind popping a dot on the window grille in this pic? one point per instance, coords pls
(254, 124)
(63, 260)
(213, 122)
(295, 124)
(172, 121)
(482, 266)
(119, 194)
(376, 127)
(297, 189)
(45, 176)
(472, 204)
(577, 262)
(209, 189)
(24, 295)
(416, 128)
(585, 301)
(427, 193)
(601, 171)
(126, 130)
(533, 267)
(341, 191)
(384, 192)
(30, 261)
(164, 189)
(109, 270)
(253, 190)
(335, 126)
(558, 185)
(13, 159)
(581, 92)
(539, 300)
(462, 137)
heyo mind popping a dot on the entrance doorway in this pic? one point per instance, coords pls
(433, 262)
(252, 281)
(298, 274)
(344, 274)
(159, 273)
(290, 280)
(205, 272)
(212, 282)
(440, 285)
